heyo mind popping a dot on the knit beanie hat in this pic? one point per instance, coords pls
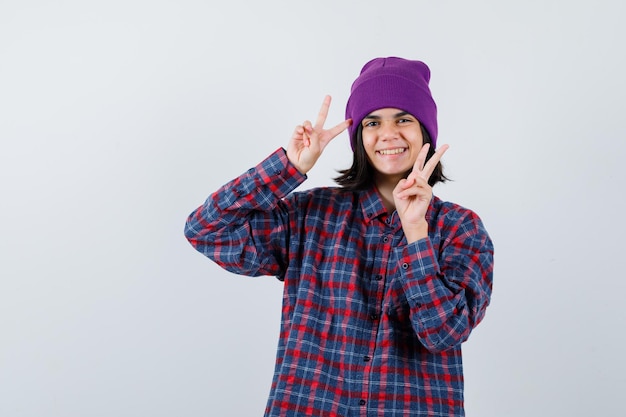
(396, 83)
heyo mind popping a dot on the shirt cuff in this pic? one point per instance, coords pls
(278, 173)
(418, 270)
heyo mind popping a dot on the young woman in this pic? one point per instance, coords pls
(382, 280)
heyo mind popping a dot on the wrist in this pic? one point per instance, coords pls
(415, 232)
(302, 170)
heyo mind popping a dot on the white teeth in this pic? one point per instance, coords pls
(391, 151)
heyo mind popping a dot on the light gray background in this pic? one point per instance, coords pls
(118, 118)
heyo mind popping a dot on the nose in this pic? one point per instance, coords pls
(388, 130)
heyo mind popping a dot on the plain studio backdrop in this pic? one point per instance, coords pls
(118, 118)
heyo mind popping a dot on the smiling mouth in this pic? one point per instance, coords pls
(395, 151)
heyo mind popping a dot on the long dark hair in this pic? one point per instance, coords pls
(361, 174)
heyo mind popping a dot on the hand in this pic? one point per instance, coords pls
(308, 141)
(412, 195)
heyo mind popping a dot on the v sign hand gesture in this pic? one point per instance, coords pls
(308, 141)
(412, 195)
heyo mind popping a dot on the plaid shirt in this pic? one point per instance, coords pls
(371, 326)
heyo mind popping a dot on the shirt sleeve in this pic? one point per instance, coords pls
(243, 226)
(448, 292)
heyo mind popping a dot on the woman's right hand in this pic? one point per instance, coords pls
(308, 141)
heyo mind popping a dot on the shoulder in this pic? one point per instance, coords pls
(335, 195)
(440, 208)
(454, 219)
(323, 202)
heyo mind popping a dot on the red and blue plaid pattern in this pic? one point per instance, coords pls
(370, 326)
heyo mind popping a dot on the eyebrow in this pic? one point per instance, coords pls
(375, 117)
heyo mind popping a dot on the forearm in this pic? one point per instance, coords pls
(416, 232)
(447, 296)
(239, 224)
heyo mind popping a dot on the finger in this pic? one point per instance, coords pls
(413, 188)
(420, 160)
(307, 130)
(321, 117)
(404, 184)
(336, 130)
(401, 186)
(432, 162)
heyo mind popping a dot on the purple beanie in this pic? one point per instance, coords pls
(397, 83)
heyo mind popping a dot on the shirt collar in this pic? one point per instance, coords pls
(371, 204)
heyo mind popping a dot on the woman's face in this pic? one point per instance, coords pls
(392, 138)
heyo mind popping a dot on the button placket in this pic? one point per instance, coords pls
(384, 229)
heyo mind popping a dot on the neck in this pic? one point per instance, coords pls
(385, 186)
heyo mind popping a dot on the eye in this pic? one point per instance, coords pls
(370, 123)
(404, 120)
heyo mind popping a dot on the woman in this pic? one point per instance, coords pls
(382, 280)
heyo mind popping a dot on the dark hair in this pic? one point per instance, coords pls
(361, 174)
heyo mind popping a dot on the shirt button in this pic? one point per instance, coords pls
(362, 402)
(367, 359)
(385, 239)
(388, 221)
(277, 172)
(374, 316)
(405, 266)
(378, 277)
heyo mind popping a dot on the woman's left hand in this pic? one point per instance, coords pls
(412, 195)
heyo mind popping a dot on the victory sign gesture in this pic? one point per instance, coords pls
(412, 195)
(308, 141)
